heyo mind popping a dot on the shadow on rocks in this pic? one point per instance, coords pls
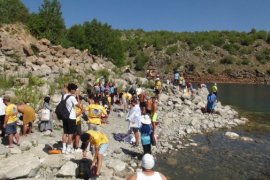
(132, 153)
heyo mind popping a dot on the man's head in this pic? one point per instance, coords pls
(96, 100)
(148, 161)
(72, 88)
(6, 100)
(85, 137)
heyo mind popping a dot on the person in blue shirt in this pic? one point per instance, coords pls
(211, 102)
(176, 77)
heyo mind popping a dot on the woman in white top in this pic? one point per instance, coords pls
(148, 163)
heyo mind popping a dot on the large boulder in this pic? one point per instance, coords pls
(231, 135)
(68, 170)
(19, 166)
(117, 165)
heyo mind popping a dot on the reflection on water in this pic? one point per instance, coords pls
(217, 157)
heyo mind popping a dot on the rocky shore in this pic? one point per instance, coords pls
(180, 116)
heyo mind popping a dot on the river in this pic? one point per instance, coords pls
(217, 157)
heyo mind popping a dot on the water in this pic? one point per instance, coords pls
(217, 157)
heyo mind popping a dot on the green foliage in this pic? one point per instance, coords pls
(35, 81)
(103, 72)
(140, 60)
(211, 70)
(48, 22)
(171, 50)
(12, 11)
(263, 56)
(28, 94)
(228, 60)
(6, 82)
(232, 48)
(245, 61)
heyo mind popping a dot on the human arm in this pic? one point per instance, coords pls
(162, 176)
(132, 177)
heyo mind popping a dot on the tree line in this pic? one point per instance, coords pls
(101, 39)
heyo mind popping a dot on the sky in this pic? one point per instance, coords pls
(171, 15)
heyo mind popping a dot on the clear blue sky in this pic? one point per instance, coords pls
(172, 15)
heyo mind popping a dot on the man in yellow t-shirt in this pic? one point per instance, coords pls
(96, 112)
(126, 97)
(11, 121)
(158, 87)
(100, 143)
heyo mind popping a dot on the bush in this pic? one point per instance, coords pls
(140, 61)
(211, 70)
(232, 48)
(171, 50)
(35, 81)
(228, 60)
(6, 82)
(245, 61)
(263, 56)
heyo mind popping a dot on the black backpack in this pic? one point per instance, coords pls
(84, 169)
(61, 110)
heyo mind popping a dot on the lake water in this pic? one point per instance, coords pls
(217, 157)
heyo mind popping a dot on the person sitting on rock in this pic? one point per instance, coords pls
(148, 163)
(211, 102)
(10, 123)
(28, 117)
(95, 114)
(100, 143)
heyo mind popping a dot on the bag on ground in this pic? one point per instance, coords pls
(84, 169)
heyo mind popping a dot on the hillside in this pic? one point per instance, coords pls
(203, 56)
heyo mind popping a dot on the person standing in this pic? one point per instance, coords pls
(176, 78)
(214, 89)
(158, 88)
(2, 117)
(69, 125)
(10, 122)
(211, 102)
(100, 143)
(28, 115)
(146, 131)
(134, 117)
(46, 125)
(147, 173)
(95, 114)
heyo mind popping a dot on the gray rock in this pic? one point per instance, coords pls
(19, 166)
(117, 165)
(25, 145)
(246, 139)
(231, 135)
(67, 170)
(15, 150)
(121, 114)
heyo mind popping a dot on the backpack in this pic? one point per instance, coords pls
(84, 169)
(45, 114)
(61, 110)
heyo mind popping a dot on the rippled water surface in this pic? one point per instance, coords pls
(217, 157)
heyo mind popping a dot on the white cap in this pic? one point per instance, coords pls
(157, 79)
(148, 161)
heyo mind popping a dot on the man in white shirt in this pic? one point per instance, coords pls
(69, 125)
(134, 117)
(2, 116)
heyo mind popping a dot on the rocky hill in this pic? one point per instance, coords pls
(21, 54)
(235, 57)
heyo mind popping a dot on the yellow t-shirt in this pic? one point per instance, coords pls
(95, 112)
(97, 138)
(78, 118)
(11, 113)
(158, 85)
(127, 96)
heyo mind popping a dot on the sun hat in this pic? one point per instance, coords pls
(145, 119)
(148, 161)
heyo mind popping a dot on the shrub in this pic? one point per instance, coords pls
(245, 61)
(171, 50)
(103, 72)
(6, 82)
(211, 70)
(35, 81)
(263, 56)
(140, 61)
(232, 48)
(227, 60)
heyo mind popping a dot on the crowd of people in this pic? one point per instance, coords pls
(142, 115)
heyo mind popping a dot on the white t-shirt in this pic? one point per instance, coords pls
(2, 107)
(71, 103)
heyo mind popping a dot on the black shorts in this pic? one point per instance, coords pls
(69, 126)
(78, 129)
(157, 91)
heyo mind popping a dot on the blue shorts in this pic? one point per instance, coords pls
(11, 128)
(103, 148)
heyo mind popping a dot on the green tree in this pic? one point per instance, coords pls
(76, 37)
(140, 61)
(48, 22)
(12, 11)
